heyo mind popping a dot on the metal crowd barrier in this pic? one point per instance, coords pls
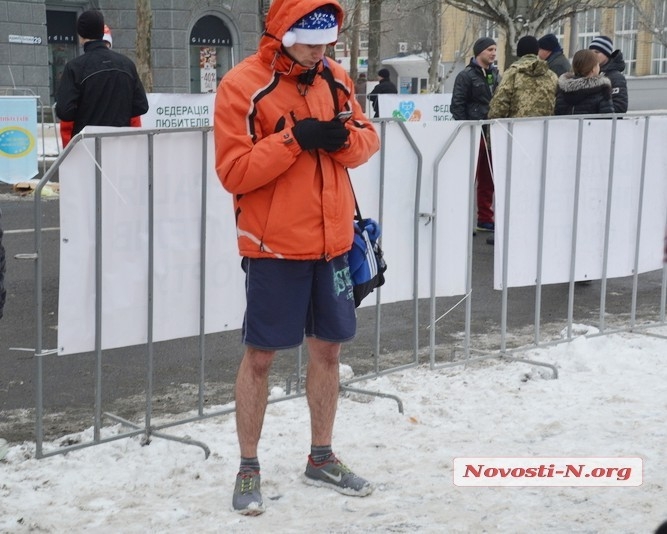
(462, 353)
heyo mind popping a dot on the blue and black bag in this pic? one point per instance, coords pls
(366, 259)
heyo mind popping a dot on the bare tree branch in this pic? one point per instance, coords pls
(652, 17)
(516, 18)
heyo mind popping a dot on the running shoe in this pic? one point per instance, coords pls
(336, 475)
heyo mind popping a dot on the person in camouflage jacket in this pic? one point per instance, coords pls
(528, 87)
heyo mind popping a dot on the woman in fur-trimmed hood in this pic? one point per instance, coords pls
(584, 91)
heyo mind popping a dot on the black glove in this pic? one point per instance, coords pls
(327, 135)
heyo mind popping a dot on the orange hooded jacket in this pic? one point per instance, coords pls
(289, 203)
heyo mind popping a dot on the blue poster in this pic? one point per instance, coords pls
(18, 138)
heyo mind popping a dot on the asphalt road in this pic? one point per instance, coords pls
(69, 384)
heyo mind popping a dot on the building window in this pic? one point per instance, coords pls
(63, 42)
(589, 27)
(626, 36)
(211, 54)
(558, 31)
(488, 28)
(659, 59)
(659, 50)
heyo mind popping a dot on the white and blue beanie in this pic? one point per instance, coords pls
(318, 27)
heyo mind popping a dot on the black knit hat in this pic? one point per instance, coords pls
(383, 73)
(482, 44)
(90, 24)
(549, 42)
(527, 45)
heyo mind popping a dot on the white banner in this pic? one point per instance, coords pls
(416, 108)
(525, 191)
(167, 110)
(400, 190)
(18, 138)
(177, 223)
(445, 206)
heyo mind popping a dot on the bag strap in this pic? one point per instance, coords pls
(327, 75)
(357, 215)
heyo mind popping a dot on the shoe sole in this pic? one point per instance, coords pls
(318, 483)
(252, 510)
(478, 229)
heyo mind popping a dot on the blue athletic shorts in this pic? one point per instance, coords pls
(287, 298)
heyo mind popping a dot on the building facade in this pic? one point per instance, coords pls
(644, 54)
(193, 43)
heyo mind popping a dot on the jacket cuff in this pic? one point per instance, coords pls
(290, 141)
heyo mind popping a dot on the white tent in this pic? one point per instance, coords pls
(409, 66)
(412, 72)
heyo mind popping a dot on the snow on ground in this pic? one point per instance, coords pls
(609, 401)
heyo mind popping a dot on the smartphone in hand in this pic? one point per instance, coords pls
(343, 116)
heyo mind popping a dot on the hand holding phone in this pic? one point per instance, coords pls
(328, 135)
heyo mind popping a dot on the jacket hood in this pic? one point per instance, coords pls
(530, 65)
(576, 88)
(616, 62)
(283, 14)
(474, 63)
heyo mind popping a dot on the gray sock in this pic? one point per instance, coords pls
(249, 465)
(320, 454)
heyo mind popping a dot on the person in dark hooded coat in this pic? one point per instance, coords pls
(101, 87)
(584, 91)
(384, 87)
(612, 65)
(551, 52)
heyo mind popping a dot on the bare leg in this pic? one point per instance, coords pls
(252, 384)
(322, 386)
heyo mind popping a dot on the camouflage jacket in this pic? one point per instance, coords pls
(527, 89)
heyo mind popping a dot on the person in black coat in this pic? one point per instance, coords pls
(551, 52)
(384, 87)
(584, 91)
(474, 86)
(612, 66)
(101, 87)
(471, 97)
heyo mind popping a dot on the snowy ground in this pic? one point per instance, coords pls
(609, 401)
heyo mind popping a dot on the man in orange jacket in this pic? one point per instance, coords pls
(283, 154)
(66, 127)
